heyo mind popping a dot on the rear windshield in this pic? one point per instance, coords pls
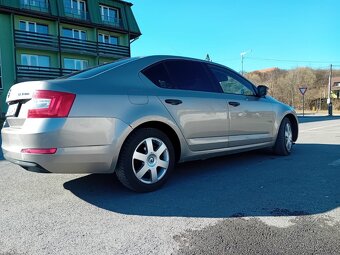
(90, 72)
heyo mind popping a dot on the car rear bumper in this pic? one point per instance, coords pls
(84, 145)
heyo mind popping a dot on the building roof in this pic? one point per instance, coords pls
(335, 83)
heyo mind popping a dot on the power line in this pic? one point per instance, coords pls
(293, 61)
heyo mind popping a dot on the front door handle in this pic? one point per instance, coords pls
(173, 101)
(234, 104)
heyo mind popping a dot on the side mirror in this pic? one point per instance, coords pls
(262, 90)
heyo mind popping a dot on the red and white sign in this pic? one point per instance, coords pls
(303, 90)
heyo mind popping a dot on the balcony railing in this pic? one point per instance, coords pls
(111, 49)
(35, 5)
(36, 40)
(71, 44)
(25, 72)
(77, 13)
(115, 22)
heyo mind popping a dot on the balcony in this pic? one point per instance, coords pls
(32, 40)
(105, 49)
(113, 22)
(75, 13)
(35, 5)
(25, 73)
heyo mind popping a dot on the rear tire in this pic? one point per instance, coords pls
(146, 160)
(284, 141)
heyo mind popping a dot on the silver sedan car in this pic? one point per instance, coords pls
(138, 117)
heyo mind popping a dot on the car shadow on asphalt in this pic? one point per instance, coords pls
(248, 184)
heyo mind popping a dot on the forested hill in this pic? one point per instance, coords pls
(284, 85)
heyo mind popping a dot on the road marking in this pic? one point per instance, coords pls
(316, 128)
(335, 163)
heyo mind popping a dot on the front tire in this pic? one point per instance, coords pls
(146, 160)
(284, 141)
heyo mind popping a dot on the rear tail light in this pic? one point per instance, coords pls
(39, 151)
(50, 104)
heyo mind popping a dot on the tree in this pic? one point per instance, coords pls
(284, 84)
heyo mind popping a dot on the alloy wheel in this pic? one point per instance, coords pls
(288, 137)
(150, 160)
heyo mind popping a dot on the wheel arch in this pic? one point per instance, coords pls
(295, 125)
(167, 130)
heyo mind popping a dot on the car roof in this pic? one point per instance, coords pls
(144, 61)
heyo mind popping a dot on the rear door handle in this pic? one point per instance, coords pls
(234, 104)
(173, 101)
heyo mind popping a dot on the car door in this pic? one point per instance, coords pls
(251, 118)
(197, 106)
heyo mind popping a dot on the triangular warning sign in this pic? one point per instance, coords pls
(303, 90)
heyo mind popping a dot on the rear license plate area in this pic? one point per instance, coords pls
(12, 110)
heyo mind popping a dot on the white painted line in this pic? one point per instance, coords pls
(335, 163)
(316, 128)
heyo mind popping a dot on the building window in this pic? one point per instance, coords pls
(74, 33)
(35, 60)
(29, 26)
(75, 64)
(108, 39)
(35, 4)
(109, 15)
(76, 8)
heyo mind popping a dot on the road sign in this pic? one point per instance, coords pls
(303, 90)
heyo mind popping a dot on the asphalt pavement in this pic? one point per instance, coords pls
(249, 203)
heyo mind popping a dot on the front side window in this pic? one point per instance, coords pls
(109, 14)
(34, 27)
(75, 64)
(108, 39)
(35, 60)
(231, 83)
(180, 74)
(74, 33)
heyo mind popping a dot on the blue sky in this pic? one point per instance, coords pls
(305, 32)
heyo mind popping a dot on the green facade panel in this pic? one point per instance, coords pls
(7, 57)
(133, 26)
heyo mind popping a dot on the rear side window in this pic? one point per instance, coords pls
(158, 75)
(181, 74)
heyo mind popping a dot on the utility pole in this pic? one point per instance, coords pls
(242, 57)
(329, 100)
